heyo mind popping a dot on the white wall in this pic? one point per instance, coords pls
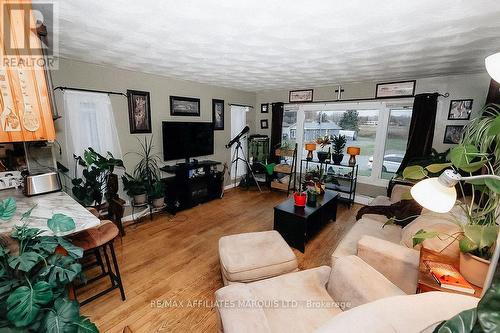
(90, 76)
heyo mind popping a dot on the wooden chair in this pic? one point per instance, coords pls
(95, 241)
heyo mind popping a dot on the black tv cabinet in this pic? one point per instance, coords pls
(188, 188)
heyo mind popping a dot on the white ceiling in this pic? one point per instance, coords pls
(258, 45)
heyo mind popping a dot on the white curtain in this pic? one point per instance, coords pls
(89, 122)
(238, 122)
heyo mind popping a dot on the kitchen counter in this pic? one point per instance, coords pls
(47, 205)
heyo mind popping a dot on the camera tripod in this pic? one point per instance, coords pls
(235, 159)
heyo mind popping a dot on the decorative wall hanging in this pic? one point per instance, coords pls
(453, 134)
(460, 109)
(264, 108)
(218, 114)
(184, 106)
(300, 96)
(139, 111)
(395, 89)
(264, 124)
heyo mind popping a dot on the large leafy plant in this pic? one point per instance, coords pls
(483, 319)
(34, 279)
(478, 151)
(89, 189)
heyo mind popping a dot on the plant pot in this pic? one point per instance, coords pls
(474, 269)
(140, 199)
(299, 199)
(159, 202)
(322, 156)
(337, 158)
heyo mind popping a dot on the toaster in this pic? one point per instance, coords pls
(42, 183)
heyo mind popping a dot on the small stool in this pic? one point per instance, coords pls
(93, 240)
(255, 256)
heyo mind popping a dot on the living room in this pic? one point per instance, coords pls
(230, 166)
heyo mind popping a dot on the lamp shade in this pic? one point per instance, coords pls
(432, 194)
(353, 151)
(310, 146)
(492, 64)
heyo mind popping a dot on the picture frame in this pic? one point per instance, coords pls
(453, 134)
(460, 109)
(218, 114)
(300, 96)
(395, 89)
(139, 111)
(184, 106)
(264, 124)
(264, 108)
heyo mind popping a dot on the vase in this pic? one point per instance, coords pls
(140, 199)
(159, 202)
(311, 198)
(473, 268)
(337, 158)
(299, 199)
(322, 156)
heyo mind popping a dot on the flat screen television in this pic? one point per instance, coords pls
(183, 140)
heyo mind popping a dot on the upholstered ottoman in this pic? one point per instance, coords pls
(254, 256)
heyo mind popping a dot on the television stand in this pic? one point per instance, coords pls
(193, 183)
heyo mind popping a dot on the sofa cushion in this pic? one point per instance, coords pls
(366, 226)
(313, 306)
(442, 223)
(256, 255)
(355, 282)
(408, 314)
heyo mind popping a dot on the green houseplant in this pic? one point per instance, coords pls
(97, 168)
(135, 188)
(478, 151)
(34, 279)
(338, 145)
(157, 194)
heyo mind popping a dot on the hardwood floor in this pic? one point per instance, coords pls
(176, 260)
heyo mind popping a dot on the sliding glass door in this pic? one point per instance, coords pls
(380, 129)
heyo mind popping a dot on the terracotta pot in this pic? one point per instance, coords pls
(474, 269)
(158, 202)
(140, 199)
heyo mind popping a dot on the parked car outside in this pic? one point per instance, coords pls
(391, 162)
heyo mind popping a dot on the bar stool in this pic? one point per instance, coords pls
(92, 241)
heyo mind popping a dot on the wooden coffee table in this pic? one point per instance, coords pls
(425, 280)
(298, 224)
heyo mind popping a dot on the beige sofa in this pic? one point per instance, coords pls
(350, 297)
(389, 249)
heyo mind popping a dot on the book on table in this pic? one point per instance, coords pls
(449, 277)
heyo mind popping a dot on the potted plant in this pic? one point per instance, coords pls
(323, 142)
(338, 144)
(157, 194)
(135, 188)
(97, 170)
(478, 151)
(34, 279)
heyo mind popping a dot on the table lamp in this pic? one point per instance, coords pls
(353, 151)
(310, 147)
(439, 194)
(492, 64)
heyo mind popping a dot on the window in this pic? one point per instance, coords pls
(380, 129)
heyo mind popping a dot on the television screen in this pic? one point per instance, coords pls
(183, 140)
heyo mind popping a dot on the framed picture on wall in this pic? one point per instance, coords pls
(460, 109)
(395, 89)
(139, 111)
(264, 124)
(300, 96)
(453, 134)
(184, 106)
(218, 114)
(264, 108)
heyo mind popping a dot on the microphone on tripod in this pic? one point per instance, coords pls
(238, 137)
